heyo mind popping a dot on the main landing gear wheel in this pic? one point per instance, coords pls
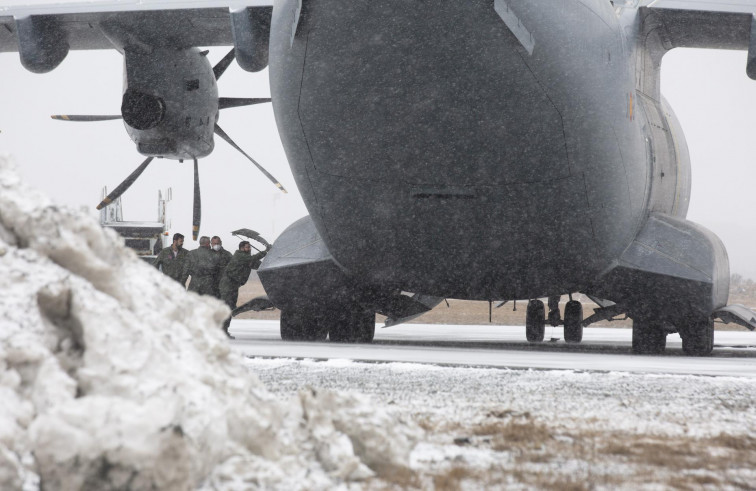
(535, 321)
(359, 327)
(573, 322)
(649, 338)
(698, 338)
(296, 326)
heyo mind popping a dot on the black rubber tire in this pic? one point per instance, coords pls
(535, 321)
(573, 322)
(296, 326)
(356, 327)
(649, 338)
(698, 338)
(290, 326)
(367, 327)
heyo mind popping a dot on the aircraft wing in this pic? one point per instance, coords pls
(737, 6)
(717, 24)
(178, 23)
(706, 23)
(691, 23)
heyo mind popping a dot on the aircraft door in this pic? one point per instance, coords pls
(667, 157)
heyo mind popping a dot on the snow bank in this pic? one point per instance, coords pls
(112, 376)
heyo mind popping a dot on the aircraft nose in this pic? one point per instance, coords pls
(142, 111)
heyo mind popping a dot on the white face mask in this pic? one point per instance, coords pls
(216, 247)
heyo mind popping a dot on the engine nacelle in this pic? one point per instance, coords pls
(251, 30)
(170, 102)
(42, 43)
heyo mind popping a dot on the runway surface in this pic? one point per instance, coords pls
(602, 349)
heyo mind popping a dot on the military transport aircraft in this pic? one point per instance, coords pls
(482, 150)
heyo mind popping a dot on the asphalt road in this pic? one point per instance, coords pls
(602, 349)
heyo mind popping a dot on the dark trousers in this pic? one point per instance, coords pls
(230, 298)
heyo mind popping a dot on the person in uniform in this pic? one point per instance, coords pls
(202, 267)
(236, 274)
(224, 257)
(172, 260)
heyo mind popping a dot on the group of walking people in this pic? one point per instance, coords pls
(210, 269)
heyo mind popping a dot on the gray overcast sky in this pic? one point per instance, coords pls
(713, 98)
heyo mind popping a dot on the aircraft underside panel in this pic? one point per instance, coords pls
(737, 314)
(673, 272)
(486, 242)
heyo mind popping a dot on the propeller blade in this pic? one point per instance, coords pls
(83, 118)
(223, 64)
(197, 215)
(222, 134)
(124, 185)
(226, 102)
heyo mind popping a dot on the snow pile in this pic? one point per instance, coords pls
(112, 376)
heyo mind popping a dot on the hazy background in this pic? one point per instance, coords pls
(713, 98)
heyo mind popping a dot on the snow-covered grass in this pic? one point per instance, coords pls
(551, 429)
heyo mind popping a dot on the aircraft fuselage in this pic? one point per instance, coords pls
(475, 150)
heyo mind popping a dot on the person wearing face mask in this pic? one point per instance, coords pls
(202, 267)
(172, 260)
(224, 257)
(236, 274)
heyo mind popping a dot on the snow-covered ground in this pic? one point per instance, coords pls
(550, 429)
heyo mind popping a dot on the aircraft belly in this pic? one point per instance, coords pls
(513, 241)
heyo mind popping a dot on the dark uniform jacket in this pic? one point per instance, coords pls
(237, 273)
(173, 265)
(202, 267)
(224, 257)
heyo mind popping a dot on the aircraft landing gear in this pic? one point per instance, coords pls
(297, 326)
(535, 321)
(341, 326)
(649, 338)
(359, 327)
(698, 338)
(554, 317)
(573, 322)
